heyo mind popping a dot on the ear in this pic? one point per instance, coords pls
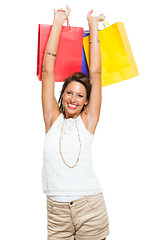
(86, 103)
(86, 108)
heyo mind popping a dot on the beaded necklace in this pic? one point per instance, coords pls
(60, 144)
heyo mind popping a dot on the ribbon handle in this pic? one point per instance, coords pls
(105, 23)
(68, 24)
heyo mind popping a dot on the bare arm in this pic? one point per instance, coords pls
(49, 103)
(94, 105)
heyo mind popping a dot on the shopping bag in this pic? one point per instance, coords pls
(84, 68)
(69, 53)
(117, 59)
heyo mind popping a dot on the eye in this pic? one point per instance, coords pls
(68, 92)
(80, 95)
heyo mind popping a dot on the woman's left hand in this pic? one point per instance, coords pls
(99, 18)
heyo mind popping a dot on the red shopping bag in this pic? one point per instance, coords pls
(69, 53)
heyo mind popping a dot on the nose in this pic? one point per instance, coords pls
(73, 99)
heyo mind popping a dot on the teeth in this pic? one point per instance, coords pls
(72, 105)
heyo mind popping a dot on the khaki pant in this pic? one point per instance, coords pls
(85, 218)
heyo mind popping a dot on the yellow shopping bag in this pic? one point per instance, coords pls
(118, 62)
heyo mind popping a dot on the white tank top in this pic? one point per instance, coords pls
(59, 181)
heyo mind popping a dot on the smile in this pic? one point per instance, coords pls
(72, 106)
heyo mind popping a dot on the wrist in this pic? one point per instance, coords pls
(58, 21)
(93, 21)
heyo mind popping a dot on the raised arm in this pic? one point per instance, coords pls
(94, 104)
(49, 103)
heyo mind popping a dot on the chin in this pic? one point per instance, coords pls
(73, 112)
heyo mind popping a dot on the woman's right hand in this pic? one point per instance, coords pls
(61, 15)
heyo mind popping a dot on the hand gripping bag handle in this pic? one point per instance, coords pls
(68, 24)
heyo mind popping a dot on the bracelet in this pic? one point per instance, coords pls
(52, 54)
(92, 41)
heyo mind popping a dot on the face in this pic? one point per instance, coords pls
(74, 98)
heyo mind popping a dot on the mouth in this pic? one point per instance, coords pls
(72, 106)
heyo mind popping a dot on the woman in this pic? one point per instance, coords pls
(75, 203)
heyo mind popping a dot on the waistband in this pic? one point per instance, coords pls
(78, 201)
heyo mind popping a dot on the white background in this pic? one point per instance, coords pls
(126, 150)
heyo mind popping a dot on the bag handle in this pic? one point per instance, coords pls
(68, 24)
(105, 23)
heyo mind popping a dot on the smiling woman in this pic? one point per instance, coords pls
(74, 196)
(76, 90)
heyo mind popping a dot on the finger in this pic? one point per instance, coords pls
(54, 10)
(90, 12)
(102, 16)
(68, 10)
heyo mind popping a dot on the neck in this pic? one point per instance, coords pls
(66, 115)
